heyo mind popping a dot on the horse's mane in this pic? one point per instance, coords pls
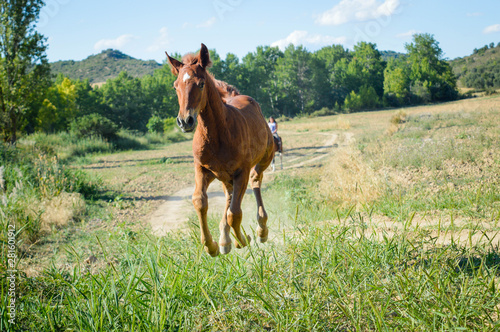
(225, 89)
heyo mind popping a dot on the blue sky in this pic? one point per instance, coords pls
(145, 29)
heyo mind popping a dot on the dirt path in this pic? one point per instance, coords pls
(174, 213)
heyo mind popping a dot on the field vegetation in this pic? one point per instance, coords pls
(375, 229)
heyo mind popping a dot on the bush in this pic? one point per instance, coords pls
(169, 124)
(490, 92)
(155, 125)
(322, 112)
(94, 125)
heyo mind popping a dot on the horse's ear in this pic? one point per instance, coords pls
(175, 65)
(204, 57)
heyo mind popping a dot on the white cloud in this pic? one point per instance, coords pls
(299, 37)
(408, 33)
(114, 43)
(474, 14)
(492, 28)
(208, 23)
(358, 10)
(161, 43)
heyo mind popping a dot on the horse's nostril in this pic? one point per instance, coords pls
(179, 123)
(190, 121)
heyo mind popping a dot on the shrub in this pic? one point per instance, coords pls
(399, 117)
(155, 124)
(94, 125)
(322, 112)
(490, 92)
(169, 124)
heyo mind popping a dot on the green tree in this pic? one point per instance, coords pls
(159, 96)
(261, 81)
(124, 97)
(397, 83)
(88, 100)
(370, 66)
(58, 109)
(24, 70)
(294, 74)
(429, 70)
(327, 58)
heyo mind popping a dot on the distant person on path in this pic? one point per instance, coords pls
(273, 126)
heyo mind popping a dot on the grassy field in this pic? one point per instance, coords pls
(379, 221)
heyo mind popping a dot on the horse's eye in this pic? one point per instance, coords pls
(201, 85)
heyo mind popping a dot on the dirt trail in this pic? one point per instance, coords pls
(175, 212)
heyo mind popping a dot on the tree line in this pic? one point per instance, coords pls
(290, 82)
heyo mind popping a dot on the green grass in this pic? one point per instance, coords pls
(329, 277)
(326, 267)
(69, 147)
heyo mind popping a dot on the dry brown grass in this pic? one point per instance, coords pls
(347, 179)
(60, 210)
(326, 123)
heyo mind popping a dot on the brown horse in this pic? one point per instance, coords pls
(232, 143)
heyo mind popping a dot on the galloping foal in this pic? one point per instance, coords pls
(232, 143)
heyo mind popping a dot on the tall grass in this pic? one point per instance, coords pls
(37, 191)
(67, 146)
(319, 277)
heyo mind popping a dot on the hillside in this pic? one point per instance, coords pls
(480, 70)
(105, 65)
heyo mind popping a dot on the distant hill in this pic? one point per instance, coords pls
(103, 66)
(480, 70)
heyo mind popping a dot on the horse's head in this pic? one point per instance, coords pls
(191, 75)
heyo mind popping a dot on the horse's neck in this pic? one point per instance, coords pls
(212, 122)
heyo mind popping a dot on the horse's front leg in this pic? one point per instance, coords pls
(235, 214)
(203, 178)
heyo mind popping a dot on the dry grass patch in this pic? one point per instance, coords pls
(60, 210)
(326, 123)
(347, 179)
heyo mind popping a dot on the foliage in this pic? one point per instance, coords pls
(481, 70)
(126, 101)
(155, 124)
(169, 124)
(366, 98)
(24, 70)
(397, 82)
(30, 178)
(94, 125)
(58, 108)
(428, 70)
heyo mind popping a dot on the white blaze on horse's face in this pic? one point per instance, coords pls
(189, 92)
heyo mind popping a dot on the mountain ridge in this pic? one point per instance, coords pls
(98, 68)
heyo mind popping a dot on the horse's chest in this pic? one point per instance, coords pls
(220, 162)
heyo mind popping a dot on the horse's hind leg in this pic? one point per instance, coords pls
(203, 179)
(235, 214)
(256, 182)
(225, 238)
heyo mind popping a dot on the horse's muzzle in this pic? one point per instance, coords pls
(186, 125)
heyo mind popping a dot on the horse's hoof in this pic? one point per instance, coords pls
(215, 252)
(225, 249)
(261, 239)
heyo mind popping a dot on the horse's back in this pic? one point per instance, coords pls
(248, 111)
